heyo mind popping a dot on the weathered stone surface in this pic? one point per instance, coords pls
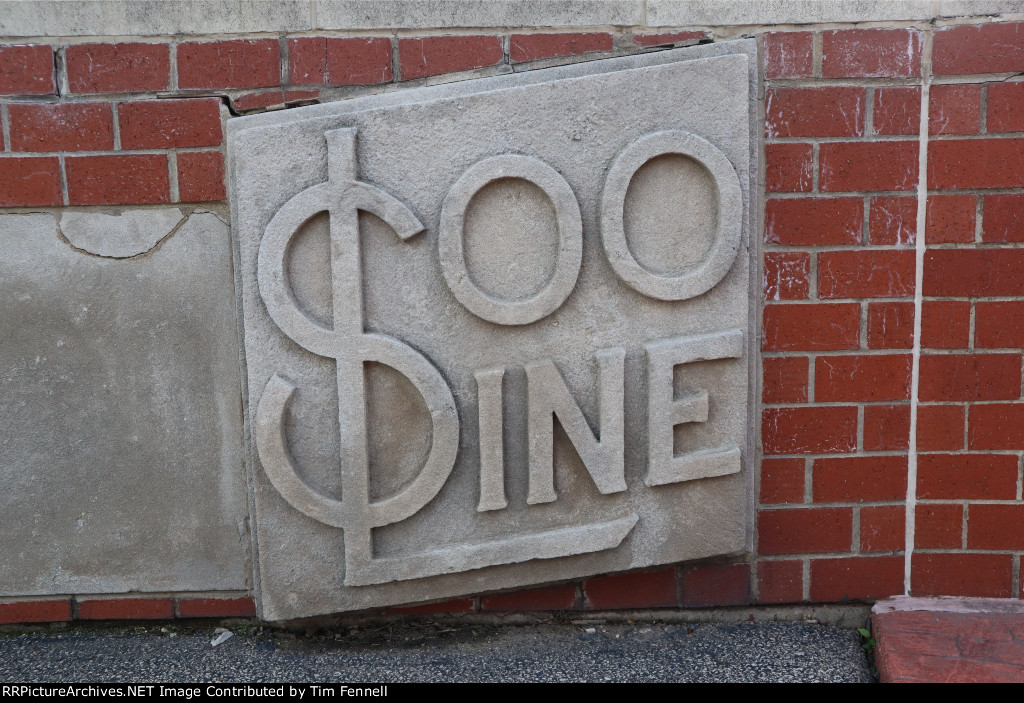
(569, 244)
(120, 236)
(121, 445)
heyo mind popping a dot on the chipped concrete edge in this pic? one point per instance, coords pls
(949, 604)
(104, 18)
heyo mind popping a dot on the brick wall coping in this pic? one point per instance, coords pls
(95, 18)
(949, 604)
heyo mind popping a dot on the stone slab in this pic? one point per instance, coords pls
(107, 18)
(526, 257)
(121, 465)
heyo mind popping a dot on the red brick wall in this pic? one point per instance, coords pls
(842, 119)
(142, 122)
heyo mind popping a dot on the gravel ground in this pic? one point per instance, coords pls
(438, 652)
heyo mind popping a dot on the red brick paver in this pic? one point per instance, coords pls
(920, 646)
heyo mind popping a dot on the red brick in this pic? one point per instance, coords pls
(461, 605)
(856, 578)
(780, 581)
(890, 325)
(940, 428)
(945, 324)
(813, 327)
(307, 60)
(999, 324)
(716, 584)
(666, 38)
(849, 166)
(938, 526)
(974, 272)
(201, 177)
(35, 611)
(871, 53)
(26, 70)
(1005, 109)
(785, 380)
(117, 180)
(1004, 218)
(882, 528)
(61, 126)
(126, 609)
(340, 61)
(788, 54)
(893, 220)
(856, 478)
(431, 56)
(988, 48)
(814, 112)
(30, 181)
(638, 589)
(970, 377)
(865, 274)
(235, 63)
(886, 427)
(916, 668)
(358, 61)
(809, 430)
(789, 168)
(782, 481)
(814, 221)
(954, 109)
(804, 530)
(169, 124)
(978, 575)
(996, 426)
(216, 608)
(975, 163)
(994, 652)
(553, 598)
(272, 98)
(787, 275)
(950, 218)
(118, 68)
(897, 110)
(995, 627)
(533, 47)
(868, 377)
(966, 476)
(995, 527)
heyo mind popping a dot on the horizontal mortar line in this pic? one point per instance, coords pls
(852, 82)
(123, 152)
(819, 194)
(976, 191)
(967, 550)
(974, 136)
(869, 403)
(971, 78)
(161, 95)
(888, 503)
(833, 455)
(976, 246)
(971, 501)
(824, 555)
(851, 139)
(852, 246)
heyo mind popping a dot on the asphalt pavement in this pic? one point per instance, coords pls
(438, 652)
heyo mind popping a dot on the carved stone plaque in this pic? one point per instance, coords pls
(497, 332)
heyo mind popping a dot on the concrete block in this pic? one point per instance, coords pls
(121, 441)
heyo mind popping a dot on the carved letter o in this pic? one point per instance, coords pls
(726, 242)
(570, 240)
